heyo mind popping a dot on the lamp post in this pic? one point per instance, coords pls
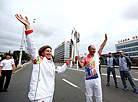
(22, 42)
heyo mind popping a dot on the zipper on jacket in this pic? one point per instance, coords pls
(37, 82)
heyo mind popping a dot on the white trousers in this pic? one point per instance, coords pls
(47, 99)
(93, 86)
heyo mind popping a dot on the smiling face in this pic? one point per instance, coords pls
(92, 50)
(47, 53)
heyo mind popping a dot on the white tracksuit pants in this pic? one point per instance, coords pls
(93, 85)
(47, 99)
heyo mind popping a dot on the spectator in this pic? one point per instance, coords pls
(0, 60)
(6, 71)
(16, 62)
(100, 66)
(111, 62)
(124, 65)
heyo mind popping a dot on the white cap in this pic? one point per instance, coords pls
(121, 51)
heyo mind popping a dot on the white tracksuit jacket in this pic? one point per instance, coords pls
(43, 74)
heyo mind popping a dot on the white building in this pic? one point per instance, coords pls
(62, 52)
(129, 46)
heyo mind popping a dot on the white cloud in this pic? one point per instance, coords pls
(56, 18)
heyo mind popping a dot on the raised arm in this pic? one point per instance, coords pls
(23, 21)
(29, 38)
(103, 44)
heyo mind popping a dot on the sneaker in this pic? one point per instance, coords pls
(126, 78)
(107, 84)
(116, 86)
(135, 90)
(125, 88)
(5, 90)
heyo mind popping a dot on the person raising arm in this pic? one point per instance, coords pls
(92, 76)
(43, 74)
(91, 50)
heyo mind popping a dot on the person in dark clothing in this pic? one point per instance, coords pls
(0, 60)
(124, 68)
(100, 67)
(16, 62)
(111, 62)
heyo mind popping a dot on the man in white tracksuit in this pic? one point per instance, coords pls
(92, 76)
(43, 74)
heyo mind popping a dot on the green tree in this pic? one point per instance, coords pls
(25, 55)
(16, 54)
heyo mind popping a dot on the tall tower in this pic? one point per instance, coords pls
(75, 43)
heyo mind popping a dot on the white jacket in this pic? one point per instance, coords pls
(43, 74)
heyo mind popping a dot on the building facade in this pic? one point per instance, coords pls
(62, 52)
(130, 47)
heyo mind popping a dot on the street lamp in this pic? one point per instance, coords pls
(22, 42)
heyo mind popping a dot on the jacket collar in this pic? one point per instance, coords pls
(89, 56)
(122, 56)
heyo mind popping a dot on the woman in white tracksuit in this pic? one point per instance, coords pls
(43, 74)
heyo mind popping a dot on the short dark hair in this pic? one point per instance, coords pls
(42, 49)
(110, 53)
(90, 46)
(8, 54)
